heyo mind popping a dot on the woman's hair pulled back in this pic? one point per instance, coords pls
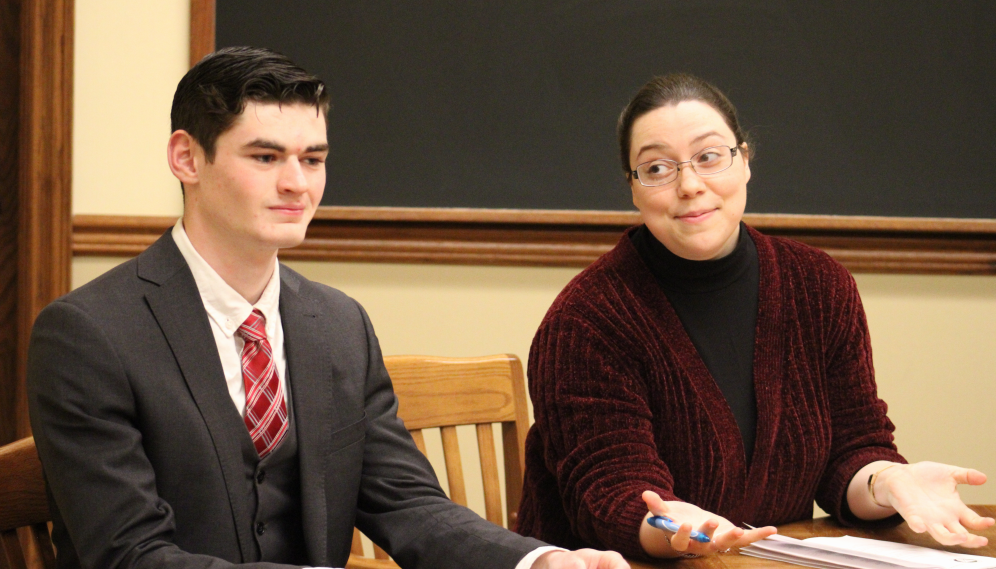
(672, 89)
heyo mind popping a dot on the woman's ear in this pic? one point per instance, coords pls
(745, 152)
(181, 154)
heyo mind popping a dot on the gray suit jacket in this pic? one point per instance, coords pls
(142, 445)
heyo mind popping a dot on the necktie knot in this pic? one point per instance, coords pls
(254, 328)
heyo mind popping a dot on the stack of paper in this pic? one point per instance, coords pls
(858, 553)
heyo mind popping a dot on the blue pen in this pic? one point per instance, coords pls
(667, 524)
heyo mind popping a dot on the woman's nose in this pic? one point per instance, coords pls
(690, 184)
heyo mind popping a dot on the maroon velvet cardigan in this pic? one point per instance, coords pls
(623, 403)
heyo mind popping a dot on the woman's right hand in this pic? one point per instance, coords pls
(723, 534)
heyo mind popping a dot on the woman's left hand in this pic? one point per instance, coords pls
(926, 495)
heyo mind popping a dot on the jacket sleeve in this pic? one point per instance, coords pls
(862, 432)
(594, 424)
(88, 435)
(401, 506)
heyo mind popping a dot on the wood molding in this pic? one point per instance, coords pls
(574, 238)
(202, 18)
(45, 173)
(10, 41)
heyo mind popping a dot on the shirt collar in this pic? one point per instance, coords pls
(224, 305)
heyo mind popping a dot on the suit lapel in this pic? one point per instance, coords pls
(309, 368)
(179, 310)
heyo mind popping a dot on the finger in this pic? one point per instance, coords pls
(681, 538)
(975, 541)
(941, 534)
(968, 476)
(611, 560)
(972, 520)
(753, 535)
(916, 524)
(655, 503)
(727, 539)
(709, 527)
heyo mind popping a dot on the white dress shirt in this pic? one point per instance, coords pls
(227, 310)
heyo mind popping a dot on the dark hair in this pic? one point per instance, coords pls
(215, 91)
(672, 89)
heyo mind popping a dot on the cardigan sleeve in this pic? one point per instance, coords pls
(862, 433)
(592, 416)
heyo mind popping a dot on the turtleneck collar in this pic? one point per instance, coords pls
(677, 274)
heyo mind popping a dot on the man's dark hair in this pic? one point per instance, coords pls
(672, 89)
(215, 91)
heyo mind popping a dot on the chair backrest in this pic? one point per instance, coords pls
(449, 392)
(23, 505)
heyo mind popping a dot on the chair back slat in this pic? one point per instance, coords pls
(454, 466)
(489, 473)
(419, 439)
(380, 553)
(356, 548)
(11, 556)
(436, 392)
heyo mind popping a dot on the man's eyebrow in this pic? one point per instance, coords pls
(266, 144)
(317, 148)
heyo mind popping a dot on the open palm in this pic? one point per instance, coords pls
(926, 495)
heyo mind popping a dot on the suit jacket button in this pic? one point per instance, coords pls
(260, 476)
(260, 528)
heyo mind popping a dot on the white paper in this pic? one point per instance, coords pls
(860, 553)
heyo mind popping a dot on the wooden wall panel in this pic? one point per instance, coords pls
(10, 49)
(45, 168)
(574, 239)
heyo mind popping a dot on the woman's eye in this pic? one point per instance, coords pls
(707, 157)
(658, 169)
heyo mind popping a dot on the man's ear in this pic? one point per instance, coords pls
(182, 153)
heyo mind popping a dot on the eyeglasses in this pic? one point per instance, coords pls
(706, 162)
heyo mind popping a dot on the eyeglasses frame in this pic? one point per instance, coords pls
(677, 165)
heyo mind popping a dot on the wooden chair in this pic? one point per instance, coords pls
(447, 392)
(23, 505)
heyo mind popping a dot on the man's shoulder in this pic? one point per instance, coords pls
(133, 278)
(326, 300)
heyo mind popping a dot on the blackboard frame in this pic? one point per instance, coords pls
(574, 238)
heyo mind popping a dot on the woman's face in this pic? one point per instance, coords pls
(695, 217)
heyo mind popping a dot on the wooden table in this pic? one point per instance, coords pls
(825, 527)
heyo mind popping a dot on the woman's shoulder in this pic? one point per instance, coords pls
(617, 281)
(791, 257)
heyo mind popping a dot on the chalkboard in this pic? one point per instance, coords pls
(857, 108)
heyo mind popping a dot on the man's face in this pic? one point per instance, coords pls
(267, 178)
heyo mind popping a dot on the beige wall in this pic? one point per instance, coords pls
(934, 337)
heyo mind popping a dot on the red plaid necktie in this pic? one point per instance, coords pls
(266, 410)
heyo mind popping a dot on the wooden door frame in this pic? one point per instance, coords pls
(38, 49)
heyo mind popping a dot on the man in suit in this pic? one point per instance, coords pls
(203, 406)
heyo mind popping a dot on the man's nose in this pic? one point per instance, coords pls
(292, 178)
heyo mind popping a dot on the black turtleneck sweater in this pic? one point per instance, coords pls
(716, 302)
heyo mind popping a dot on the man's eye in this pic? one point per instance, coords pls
(265, 158)
(315, 161)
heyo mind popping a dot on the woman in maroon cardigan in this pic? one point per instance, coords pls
(706, 372)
